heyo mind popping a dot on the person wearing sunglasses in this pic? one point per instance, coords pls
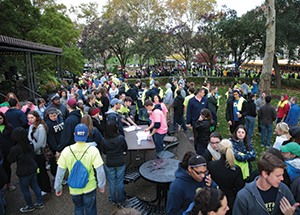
(191, 176)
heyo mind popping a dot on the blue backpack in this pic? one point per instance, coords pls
(79, 176)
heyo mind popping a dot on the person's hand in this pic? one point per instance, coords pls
(149, 136)
(208, 180)
(239, 115)
(128, 123)
(58, 193)
(57, 155)
(286, 207)
(200, 118)
(147, 129)
(188, 126)
(229, 123)
(101, 190)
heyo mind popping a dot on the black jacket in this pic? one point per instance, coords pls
(230, 180)
(203, 129)
(114, 148)
(267, 113)
(229, 112)
(5, 141)
(178, 105)
(132, 94)
(26, 164)
(251, 108)
(67, 135)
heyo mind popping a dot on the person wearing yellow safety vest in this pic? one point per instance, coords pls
(236, 111)
(127, 117)
(168, 101)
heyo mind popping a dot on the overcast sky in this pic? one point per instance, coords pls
(241, 6)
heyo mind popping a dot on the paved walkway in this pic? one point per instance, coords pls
(63, 205)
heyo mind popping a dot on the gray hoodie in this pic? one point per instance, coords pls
(260, 102)
(169, 95)
(39, 139)
(249, 201)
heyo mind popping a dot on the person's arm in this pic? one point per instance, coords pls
(131, 121)
(101, 178)
(60, 173)
(125, 146)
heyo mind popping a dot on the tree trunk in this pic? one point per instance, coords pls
(277, 72)
(265, 80)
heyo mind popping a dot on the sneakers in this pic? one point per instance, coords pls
(10, 187)
(39, 206)
(27, 209)
(109, 199)
(48, 167)
(191, 139)
(44, 193)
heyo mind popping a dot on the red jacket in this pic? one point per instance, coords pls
(285, 109)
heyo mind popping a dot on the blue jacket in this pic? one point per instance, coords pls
(194, 108)
(154, 91)
(293, 115)
(182, 191)
(254, 88)
(67, 135)
(17, 118)
(250, 202)
(55, 129)
(293, 168)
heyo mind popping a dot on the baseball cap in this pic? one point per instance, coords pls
(115, 101)
(81, 133)
(291, 147)
(197, 160)
(72, 102)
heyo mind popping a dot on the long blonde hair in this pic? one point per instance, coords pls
(282, 126)
(226, 150)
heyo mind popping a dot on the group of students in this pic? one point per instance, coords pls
(93, 116)
(271, 189)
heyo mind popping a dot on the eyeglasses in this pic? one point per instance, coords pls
(214, 142)
(199, 173)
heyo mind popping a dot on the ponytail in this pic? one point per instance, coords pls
(226, 150)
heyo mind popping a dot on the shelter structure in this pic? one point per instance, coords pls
(13, 46)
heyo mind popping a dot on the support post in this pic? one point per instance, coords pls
(28, 77)
(33, 71)
(30, 73)
(57, 67)
(61, 70)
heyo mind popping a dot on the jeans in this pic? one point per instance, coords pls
(25, 182)
(269, 129)
(278, 120)
(159, 141)
(2, 203)
(180, 121)
(259, 124)
(250, 125)
(85, 201)
(116, 174)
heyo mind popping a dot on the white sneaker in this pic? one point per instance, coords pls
(44, 193)
(48, 167)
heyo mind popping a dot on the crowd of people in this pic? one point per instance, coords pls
(73, 128)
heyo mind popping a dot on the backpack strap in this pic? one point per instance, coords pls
(84, 152)
(81, 155)
(73, 153)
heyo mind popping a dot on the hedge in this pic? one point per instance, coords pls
(292, 83)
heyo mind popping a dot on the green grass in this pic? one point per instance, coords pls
(223, 127)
